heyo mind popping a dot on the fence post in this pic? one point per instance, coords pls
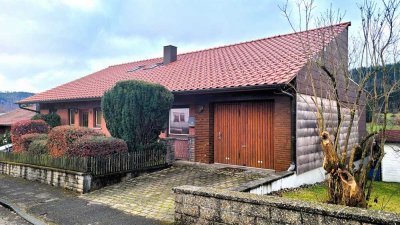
(170, 157)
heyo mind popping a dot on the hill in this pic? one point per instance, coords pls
(8, 99)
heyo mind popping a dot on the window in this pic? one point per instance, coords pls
(85, 119)
(71, 116)
(97, 117)
(179, 121)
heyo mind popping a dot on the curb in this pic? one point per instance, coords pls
(21, 213)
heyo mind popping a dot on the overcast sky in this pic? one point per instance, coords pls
(45, 43)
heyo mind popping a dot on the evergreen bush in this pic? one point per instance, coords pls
(137, 111)
(53, 119)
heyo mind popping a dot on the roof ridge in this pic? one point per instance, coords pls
(240, 43)
(266, 38)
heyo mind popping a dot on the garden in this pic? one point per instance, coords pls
(43, 142)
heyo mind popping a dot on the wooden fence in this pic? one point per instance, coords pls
(95, 165)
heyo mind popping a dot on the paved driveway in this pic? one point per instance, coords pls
(151, 195)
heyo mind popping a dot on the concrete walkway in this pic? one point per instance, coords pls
(8, 217)
(151, 195)
(57, 206)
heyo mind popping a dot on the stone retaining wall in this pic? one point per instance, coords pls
(196, 205)
(70, 180)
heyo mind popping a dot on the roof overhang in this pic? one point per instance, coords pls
(184, 92)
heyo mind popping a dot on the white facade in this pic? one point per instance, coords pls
(391, 163)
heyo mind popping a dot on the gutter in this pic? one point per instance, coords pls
(292, 166)
(28, 109)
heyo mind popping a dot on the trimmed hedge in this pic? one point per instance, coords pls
(38, 147)
(26, 127)
(137, 112)
(97, 146)
(53, 119)
(62, 138)
(27, 139)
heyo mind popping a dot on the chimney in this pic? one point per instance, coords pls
(169, 54)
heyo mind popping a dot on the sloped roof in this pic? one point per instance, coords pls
(392, 136)
(14, 116)
(268, 61)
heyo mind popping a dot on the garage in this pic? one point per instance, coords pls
(243, 134)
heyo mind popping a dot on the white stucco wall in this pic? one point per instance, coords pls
(391, 163)
(293, 181)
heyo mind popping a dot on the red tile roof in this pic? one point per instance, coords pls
(268, 61)
(392, 136)
(14, 116)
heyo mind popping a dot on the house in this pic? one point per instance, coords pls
(391, 159)
(234, 104)
(7, 119)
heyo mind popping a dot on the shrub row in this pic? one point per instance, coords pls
(27, 139)
(24, 127)
(61, 138)
(31, 136)
(97, 146)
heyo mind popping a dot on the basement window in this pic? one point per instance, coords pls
(179, 121)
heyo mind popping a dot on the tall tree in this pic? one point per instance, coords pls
(374, 49)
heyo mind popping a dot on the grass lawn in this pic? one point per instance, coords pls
(391, 125)
(386, 194)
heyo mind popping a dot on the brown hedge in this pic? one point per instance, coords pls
(62, 138)
(97, 146)
(26, 127)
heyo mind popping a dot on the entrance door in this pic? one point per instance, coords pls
(85, 118)
(243, 134)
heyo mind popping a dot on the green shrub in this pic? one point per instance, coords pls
(26, 127)
(137, 111)
(27, 139)
(38, 147)
(53, 119)
(97, 146)
(61, 138)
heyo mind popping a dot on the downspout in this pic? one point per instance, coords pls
(32, 110)
(292, 166)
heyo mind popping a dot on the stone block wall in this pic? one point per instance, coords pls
(196, 205)
(70, 180)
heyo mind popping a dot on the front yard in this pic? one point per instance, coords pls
(385, 196)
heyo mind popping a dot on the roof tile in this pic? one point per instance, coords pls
(268, 61)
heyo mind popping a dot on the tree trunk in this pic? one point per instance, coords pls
(343, 188)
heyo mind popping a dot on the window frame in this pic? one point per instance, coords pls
(71, 115)
(95, 124)
(171, 119)
(81, 118)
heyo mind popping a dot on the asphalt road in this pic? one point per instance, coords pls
(8, 217)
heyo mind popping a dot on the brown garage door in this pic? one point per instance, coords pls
(243, 134)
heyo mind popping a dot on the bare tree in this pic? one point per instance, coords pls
(372, 50)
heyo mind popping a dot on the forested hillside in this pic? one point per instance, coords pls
(394, 70)
(8, 99)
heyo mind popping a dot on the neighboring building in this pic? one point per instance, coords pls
(232, 102)
(391, 160)
(7, 119)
